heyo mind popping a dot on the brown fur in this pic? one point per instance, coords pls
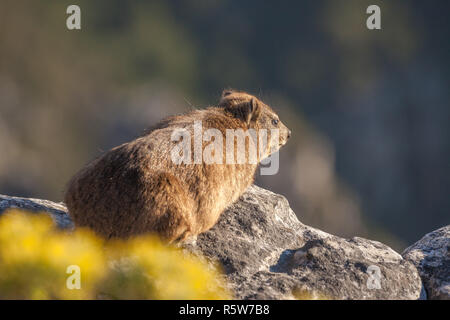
(136, 188)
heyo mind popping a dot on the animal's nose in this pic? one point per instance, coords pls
(289, 134)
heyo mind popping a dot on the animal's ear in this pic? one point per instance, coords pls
(253, 110)
(247, 110)
(226, 92)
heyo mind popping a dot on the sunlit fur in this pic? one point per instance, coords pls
(136, 188)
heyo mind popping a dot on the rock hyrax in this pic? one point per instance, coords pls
(138, 188)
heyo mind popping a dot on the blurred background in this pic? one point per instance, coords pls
(369, 109)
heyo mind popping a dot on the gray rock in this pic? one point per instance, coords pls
(431, 256)
(266, 253)
(57, 211)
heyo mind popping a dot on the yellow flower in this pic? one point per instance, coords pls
(35, 260)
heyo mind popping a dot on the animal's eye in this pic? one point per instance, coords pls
(275, 122)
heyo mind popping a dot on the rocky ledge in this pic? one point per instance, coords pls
(266, 253)
(431, 256)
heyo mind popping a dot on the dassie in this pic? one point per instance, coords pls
(138, 188)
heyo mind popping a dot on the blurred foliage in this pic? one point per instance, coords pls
(144, 268)
(303, 294)
(34, 258)
(368, 109)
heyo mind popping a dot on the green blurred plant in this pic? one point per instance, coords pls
(34, 258)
